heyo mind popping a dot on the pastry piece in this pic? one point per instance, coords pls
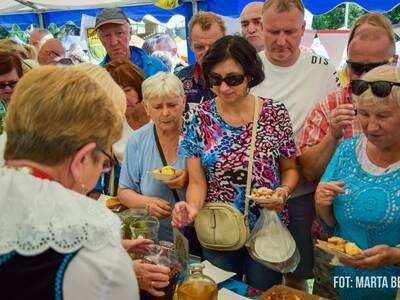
(262, 192)
(352, 249)
(168, 170)
(282, 295)
(112, 202)
(341, 245)
(336, 240)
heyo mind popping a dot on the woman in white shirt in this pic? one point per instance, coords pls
(54, 241)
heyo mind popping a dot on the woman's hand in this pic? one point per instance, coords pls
(137, 246)
(375, 258)
(183, 214)
(151, 277)
(327, 191)
(159, 208)
(280, 193)
(180, 181)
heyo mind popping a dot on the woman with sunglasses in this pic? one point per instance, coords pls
(10, 72)
(358, 196)
(216, 138)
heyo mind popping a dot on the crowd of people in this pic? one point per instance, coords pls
(72, 131)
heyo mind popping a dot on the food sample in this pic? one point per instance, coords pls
(168, 170)
(282, 295)
(352, 249)
(338, 244)
(112, 202)
(264, 192)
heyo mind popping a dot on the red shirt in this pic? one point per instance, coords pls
(317, 124)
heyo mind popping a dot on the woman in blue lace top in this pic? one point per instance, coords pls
(358, 197)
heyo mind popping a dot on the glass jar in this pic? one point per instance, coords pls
(163, 254)
(145, 228)
(135, 217)
(197, 286)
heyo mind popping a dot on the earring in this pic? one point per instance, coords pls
(83, 188)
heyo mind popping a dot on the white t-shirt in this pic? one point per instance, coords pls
(119, 146)
(299, 87)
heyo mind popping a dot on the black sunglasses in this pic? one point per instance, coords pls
(359, 68)
(379, 88)
(109, 163)
(233, 79)
(10, 84)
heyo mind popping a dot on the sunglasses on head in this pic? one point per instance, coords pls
(233, 79)
(379, 88)
(359, 68)
(10, 84)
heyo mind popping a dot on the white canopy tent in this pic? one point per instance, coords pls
(21, 6)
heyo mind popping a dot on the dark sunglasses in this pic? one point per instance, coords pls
(234, 79)
(379, 88)
(109, 163)
(359, 68)
(10, 84)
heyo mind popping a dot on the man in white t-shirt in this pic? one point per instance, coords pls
(298, 79)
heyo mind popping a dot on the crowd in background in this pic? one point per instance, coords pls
(330, 152)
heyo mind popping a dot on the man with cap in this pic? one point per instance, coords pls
(112, 26)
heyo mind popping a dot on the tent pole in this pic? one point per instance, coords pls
(195, 8)
(346, 16)
(41, 20)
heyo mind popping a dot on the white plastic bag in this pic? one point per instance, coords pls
(272, 245)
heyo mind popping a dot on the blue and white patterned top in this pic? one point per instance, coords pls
(367, 214)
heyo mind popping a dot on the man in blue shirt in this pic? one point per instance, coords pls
(113, 29)
(204, 29)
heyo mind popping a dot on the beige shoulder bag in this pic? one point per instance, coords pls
(221, 226)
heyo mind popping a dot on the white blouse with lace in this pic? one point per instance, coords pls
(38, 214)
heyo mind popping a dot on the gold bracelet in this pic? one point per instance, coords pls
(288, 190)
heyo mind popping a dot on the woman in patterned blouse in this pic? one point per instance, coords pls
(216, 139)
(358, 197)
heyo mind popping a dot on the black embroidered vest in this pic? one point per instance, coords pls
(33, 277)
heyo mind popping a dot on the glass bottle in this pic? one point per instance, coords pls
(197, 286)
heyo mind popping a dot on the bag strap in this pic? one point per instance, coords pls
(164, 161)
(251, 157)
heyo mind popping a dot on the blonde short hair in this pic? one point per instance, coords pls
(11, 46)
(105, 80)
(54, 111)
(375, 20)
(382, 73)
(284, 5)
(31, 52)
(162, 85)
(205, 19)
(29, 65)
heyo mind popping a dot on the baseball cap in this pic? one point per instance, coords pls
(111, 16)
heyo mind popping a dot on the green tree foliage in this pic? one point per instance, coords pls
(394, 15)
(335, 18)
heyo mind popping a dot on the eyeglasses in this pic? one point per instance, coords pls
(359, 68)
(234, 79)
(66, 61)
(10, 84)
(379, 88)
(109, 163)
